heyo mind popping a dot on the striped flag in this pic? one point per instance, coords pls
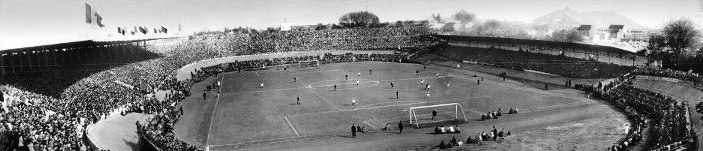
(92, 16)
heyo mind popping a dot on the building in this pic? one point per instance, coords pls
(286, 26)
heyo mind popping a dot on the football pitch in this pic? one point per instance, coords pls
(245, 112)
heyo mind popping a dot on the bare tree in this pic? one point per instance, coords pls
(680, 35)
(464, 18)
(359, 19)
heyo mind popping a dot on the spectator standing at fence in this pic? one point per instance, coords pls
(400, 127)
(353, 130)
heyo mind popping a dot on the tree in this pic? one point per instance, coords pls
(464, 18)
(437, 18)
(680, 35)
(566, 36)
(657, 42)
(359, 19)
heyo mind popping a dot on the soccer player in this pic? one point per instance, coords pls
(417, 73)
(396, 95)
(298, 100)
(359, 74)
(335, 87)
(427, 94)
(357, 81)
(422, 81)
(370, 71)
(353, 101)
(434, 114)
(261, 85)
(392, 85)
(346, 77)
(295, 80)
(449, 84)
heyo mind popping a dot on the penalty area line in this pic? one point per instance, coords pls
(291, 126)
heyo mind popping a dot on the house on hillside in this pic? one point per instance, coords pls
(616, 32)
(585, 32)
(613, 33)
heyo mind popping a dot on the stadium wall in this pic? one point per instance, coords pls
(604, 54)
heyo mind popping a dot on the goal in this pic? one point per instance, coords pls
(310, 63)
(445, 112)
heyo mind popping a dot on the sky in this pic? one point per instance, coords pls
(26, 23)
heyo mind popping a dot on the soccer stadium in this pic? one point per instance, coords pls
(359, 84)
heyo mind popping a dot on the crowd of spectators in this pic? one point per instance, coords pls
(554, 64)
(57, 121)
(691, 77)
(661, 116)
(327, 39)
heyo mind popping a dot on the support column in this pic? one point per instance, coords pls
(9, 65)
(30, 60)
(2, 65)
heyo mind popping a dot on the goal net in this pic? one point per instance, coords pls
(310, 63)
(445, 112)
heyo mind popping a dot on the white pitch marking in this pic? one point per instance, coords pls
(291, 126)
(214, 112)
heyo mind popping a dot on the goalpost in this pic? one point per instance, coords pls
(310, 63)
(449, 110)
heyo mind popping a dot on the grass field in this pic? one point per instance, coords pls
(245, 113)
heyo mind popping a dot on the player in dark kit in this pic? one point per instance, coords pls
(396, 95)
(346, 77)
(392, 85)
(335, 87)
(434, 114)
(400, 127)
(298, 100)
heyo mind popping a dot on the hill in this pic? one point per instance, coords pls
(569, 17)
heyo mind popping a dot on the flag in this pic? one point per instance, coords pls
(99, 20)
(164, 30)
(92, 16)
(143, 30)
(88, 12)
